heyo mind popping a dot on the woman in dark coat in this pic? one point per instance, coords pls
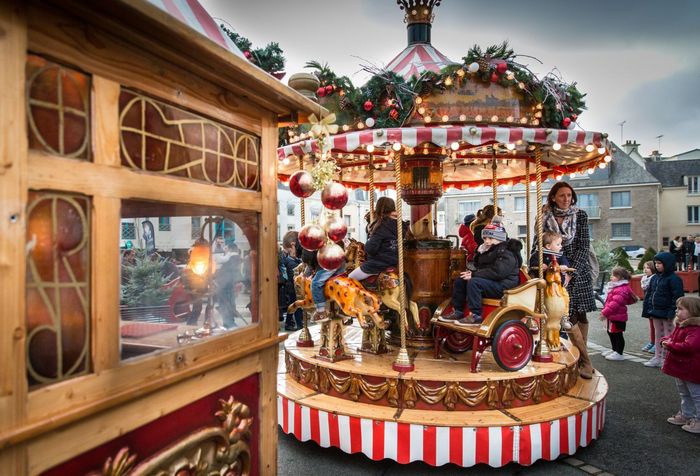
(561, 215)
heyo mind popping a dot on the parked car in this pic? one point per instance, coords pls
(634, 251)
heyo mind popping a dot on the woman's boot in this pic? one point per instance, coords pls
(584, 362)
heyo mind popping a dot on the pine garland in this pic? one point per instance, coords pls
(270, 58)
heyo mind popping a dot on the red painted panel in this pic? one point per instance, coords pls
(151, 438)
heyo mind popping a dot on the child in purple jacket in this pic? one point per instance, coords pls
(619, 296)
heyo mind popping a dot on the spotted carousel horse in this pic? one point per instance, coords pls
(556, 304)
(385, 284)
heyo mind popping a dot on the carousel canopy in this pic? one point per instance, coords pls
(416, 59)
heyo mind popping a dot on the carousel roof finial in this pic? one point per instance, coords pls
(418, 11)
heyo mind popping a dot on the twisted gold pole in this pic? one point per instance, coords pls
(542, 352)
(528, 243)
(371, 188)
(402, 362)
(304, 339)
(494, 183)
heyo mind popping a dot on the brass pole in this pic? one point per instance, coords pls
(302, 210)
(304, 339)
(528, 243)
(494, 183)
(402, 362)
(542, 352)
(371, 188)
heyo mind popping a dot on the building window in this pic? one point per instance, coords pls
(621, 231)
(347, 220)
(520, 204)
(163, 223)
(128, 231)
(290, 227)
(196, 227)
(694, 215)
(467, 207)
(590, 232)
(694, 185)
(620, 200)
(665, 241)
(588, 202)
(522, 230)
(501, 203)
(290, 208)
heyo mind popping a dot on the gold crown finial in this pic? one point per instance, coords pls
(418, 11)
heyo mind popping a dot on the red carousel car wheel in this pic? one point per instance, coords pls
(512, 345)
(459, 342)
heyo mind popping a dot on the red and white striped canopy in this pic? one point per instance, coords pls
(564, 152)
(416, 59)
(192, 14)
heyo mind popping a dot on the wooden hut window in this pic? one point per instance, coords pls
(58, 109)
(185, 285)
(58, 287)
(158, 137)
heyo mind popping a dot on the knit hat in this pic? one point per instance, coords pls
(469, 218)
(495, 230)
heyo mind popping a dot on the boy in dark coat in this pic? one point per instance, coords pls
(497, 263)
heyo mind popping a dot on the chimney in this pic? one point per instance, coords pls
(655, 155)
(631, 146)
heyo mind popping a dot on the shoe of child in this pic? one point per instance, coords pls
(320, 316)
(652, 349)
(647, 347)
(654, 362)
(614, 356)
(452, 317)
(693, 426)
(678, 419)
(289, 329)
(470, 320)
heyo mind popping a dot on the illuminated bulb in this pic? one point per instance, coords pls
(427, 118)
(425, 151)
(521, 85)
(509, 119)
(556, 146)
(370, 122)
(360, 125)
(601, 150)
(539, 106)
(607, 158)
(590, 147)
(478, 118)
(454, 146)
(462, 117)
(199, 268)
(510, 146)
(559, 177)
(285, 161)
(602, 165)
(510, 75)
(572, 175)
(370, 148)
(523, 120)
(494, 118)
(460, 72)
(421, 110)
(590, 171)
(396, 146)
(535, 122)
(448, 81)
(445, 118)
(538, 114)
(346, 127)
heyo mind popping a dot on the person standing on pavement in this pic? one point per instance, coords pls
(696, 254)
(665, 288)
(688, 251)
(619, 295)
(291, 259)
(561, 215)
(646, 277)
(683, 362)
(675, 247)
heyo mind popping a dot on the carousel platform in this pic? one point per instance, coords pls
(442, 412)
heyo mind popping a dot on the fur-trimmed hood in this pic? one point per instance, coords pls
(691, 321)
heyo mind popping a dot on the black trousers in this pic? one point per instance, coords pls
(616, 332)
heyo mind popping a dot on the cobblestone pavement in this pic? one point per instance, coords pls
(636, 439)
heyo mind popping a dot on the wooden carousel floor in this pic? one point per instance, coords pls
(495, 417)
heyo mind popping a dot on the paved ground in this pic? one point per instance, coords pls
(636, 439)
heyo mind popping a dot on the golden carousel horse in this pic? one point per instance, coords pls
(556, 304)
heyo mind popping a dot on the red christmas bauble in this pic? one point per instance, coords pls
(494, 77)
(566, 122)
(329, 90)
(334, 196)
(320, 92)
(301, 184)
(368, 106)
(574, 117)
(246, 54)
(312, 237)
(331, 256)
(336, 229)
(394, 114)
(502, 67)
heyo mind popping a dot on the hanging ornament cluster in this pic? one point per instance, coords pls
(335, 228)
(312, 237)
(334, 196)
(331, 256)
(301, 184)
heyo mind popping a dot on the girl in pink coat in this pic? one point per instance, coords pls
(619, 296)
(683, 362)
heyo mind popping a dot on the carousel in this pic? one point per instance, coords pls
(384, 376)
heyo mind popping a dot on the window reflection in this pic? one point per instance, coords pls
(191, 280)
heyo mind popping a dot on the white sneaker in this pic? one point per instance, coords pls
(654, 362)
(605, 353)
(614, 356)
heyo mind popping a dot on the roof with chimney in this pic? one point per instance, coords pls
(622, 170)
(671, 172)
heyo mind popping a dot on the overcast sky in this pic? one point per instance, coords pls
(638, 61)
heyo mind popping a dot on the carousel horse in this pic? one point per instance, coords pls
(556, 304)
(353, 299)
(386, 283)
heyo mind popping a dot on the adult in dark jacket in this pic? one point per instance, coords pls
(665, 287)
(292, 250)
(382, 246)
(497, 263)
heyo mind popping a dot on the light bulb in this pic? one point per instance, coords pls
(448, 81)
(396, 146)
(510, 146)
(285, 161)
(478, 118)
(462, 117)
(601, 150)
(445, 118)
(590, 147)
(556, 146)
(370, 148)
(607, 158)
(454, 146)
(419, 100)
(427, 118)
(602, 165)
(421, 110)
(494, 118)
